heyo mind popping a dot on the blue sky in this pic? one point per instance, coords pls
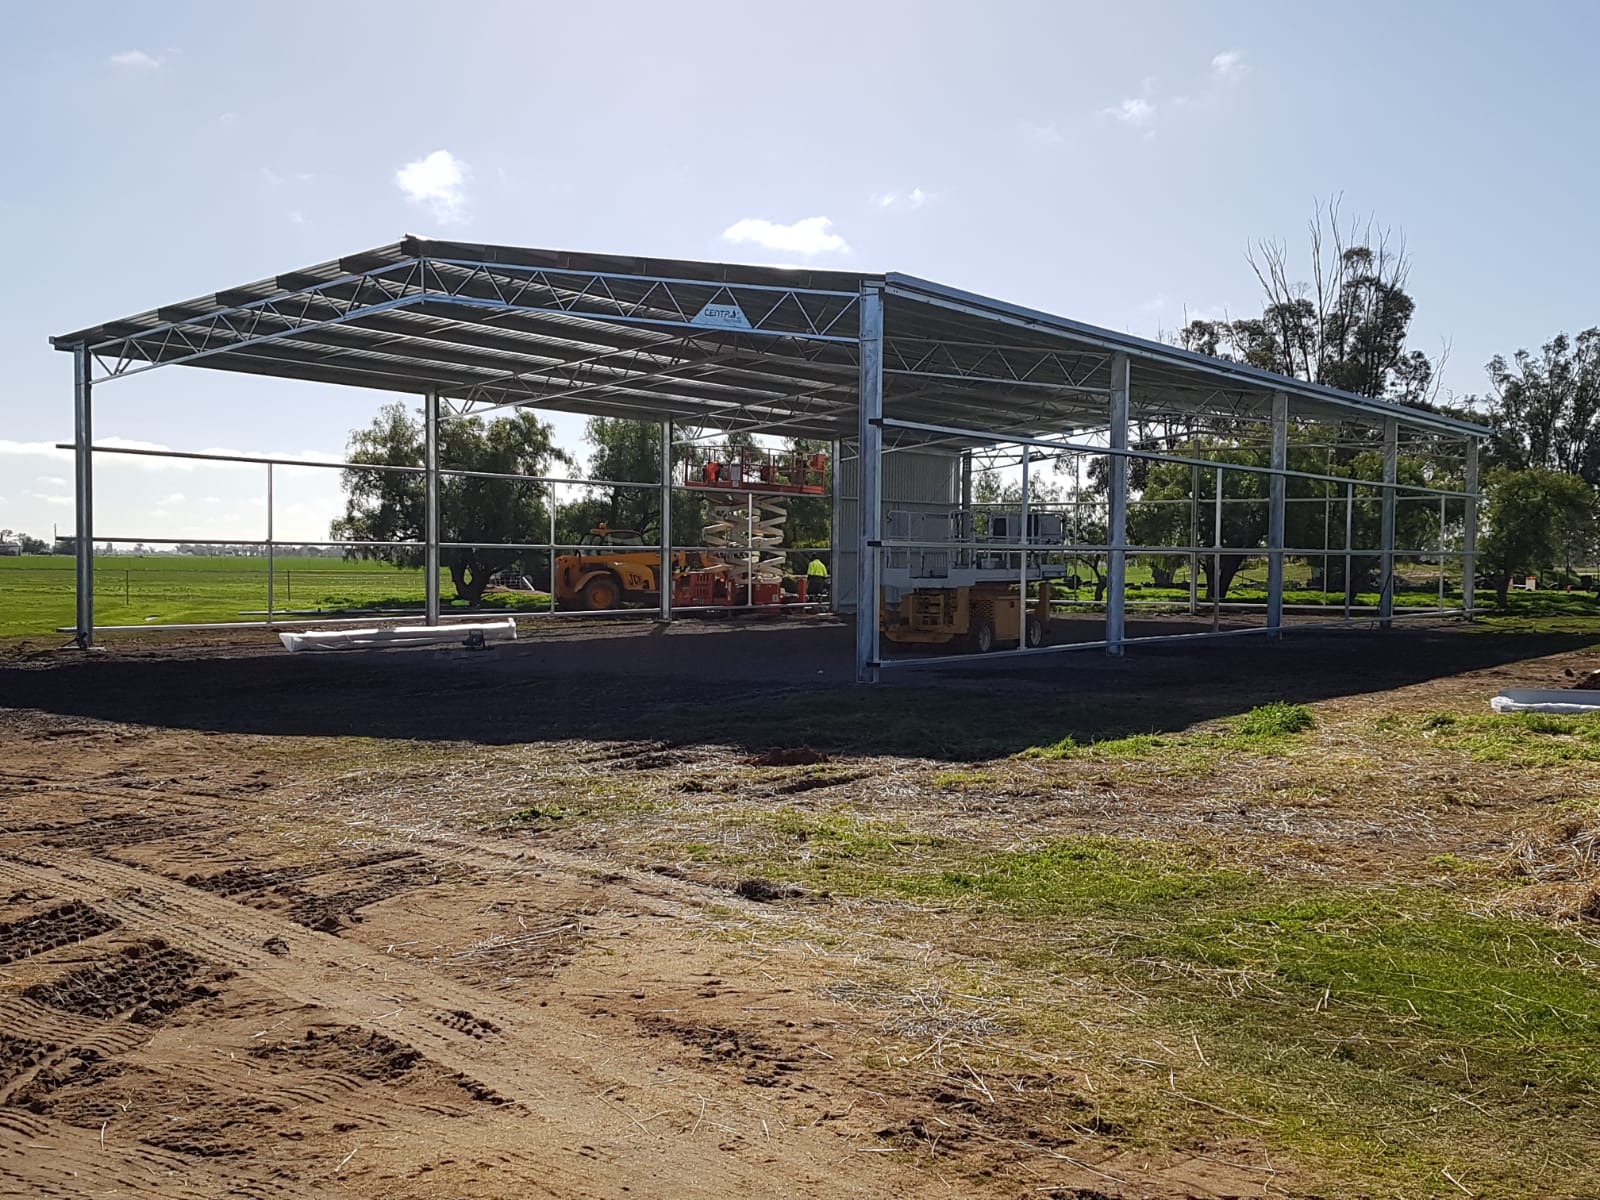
(1107, 162)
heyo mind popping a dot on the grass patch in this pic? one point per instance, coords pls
(960, 781)
(840, 836)
(1195, 751)
(1084, 876)
(1274, 720)
(1518, 739)
(1395, 1036)
(542, 814)
(1136, 745)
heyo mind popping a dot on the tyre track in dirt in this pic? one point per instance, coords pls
(503, 1053)
(51, 1160)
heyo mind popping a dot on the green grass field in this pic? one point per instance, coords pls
(36, 592)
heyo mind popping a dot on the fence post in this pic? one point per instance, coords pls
(127, 588)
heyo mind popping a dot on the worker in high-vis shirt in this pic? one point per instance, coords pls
(816, 579)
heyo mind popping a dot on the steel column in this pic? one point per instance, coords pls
(1469, 534)
(869, 484)
(1194, 540)
(1117, 512)
(835, 531)
(83, 471)
(1349, 536)
(665, 578)
(1277, 501)
(1391, 473)
(430, 442)
(1022, 540)
(1216, 558)
(272, 557)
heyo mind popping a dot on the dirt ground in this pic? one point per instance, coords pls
(266, 928)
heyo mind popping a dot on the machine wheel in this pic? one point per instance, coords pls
(601, 592)
(980, 638)
(1035, 631)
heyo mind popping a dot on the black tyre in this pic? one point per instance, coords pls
(1034, 631)
(980, 637)
(600, 593)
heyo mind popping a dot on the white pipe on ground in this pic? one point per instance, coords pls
(380, 639)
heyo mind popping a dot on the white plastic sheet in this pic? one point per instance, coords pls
(1549, 700)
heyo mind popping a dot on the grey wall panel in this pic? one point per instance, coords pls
(916, 480)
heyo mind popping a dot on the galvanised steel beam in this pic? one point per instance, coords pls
(1391, 471)
(1013, 366)
(1277, 494)
(430, 462)
(869, 485)
(83, 474)
(1117, 511)
(1469, 532)
(602, 297)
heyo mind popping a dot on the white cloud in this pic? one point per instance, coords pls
(51, 499)
(1045, 134)
(296, 217)
(809, 235)
(53, 481)
(139, 461)
(171, 498)
(30, 449)
(1229, 65)
(1135, 111)
(437, 182)
(135, 59)
(915, 198)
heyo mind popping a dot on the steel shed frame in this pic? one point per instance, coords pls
(878, 362)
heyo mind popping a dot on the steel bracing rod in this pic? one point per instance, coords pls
(1155, 362)
(602, 288)
(310, 308)
(576, 290)
(410, 282)
(587, 308)
(1009, 364)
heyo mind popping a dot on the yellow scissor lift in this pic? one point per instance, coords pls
(966, 590)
